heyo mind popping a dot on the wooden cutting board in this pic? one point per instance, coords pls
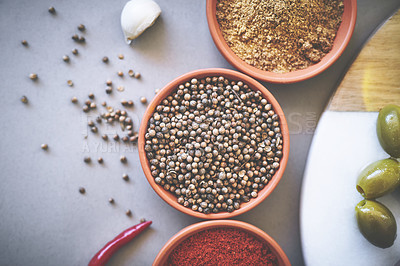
(373, 80)
(344, 142)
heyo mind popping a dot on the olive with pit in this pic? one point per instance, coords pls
(379, 178)
(376, 222)
(388, 129)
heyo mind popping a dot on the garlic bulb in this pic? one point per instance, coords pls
(137, 16)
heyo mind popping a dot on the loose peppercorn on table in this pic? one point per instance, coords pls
(60, 205)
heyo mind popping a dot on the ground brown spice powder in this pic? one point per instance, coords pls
(280, 35)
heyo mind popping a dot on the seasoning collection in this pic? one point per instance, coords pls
(214, 142)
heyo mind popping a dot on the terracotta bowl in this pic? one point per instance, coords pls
(342, 39)
(179, 237)
(171, 87)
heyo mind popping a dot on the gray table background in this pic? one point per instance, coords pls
(44, 220)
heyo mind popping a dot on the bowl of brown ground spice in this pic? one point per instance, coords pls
(221, 242)
(281, 41)
(214, 143)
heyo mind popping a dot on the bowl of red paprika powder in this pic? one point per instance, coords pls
(281, 41)
(221, 242)
(271, 178)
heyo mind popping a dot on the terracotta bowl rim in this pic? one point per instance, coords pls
(341, 41)
(232, 75)
(186, 232)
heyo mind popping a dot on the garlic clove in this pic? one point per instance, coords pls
(137, 16)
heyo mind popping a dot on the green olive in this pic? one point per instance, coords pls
(376, 223)
(388, 129)
(379, 178)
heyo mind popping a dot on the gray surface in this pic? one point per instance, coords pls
(45, 221)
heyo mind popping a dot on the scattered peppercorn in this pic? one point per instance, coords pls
(123, 159)
(87, 159)
(94, 129)
(212, 143)
(91, 123)
(121, 56)
(70, 83)
(66, 58)
(75, 51)
(142, 220)
(131, 73)
(44, 146)
(109, 90)
(121, 88)
(24, 43)
(91, 95)
(128, 212)
(33, 76)
(104, 104)
(105, 59)
(77, 38)
(118, 115)
(82, 190)
(108, 82)
(105, 137)
(24, 99)
(52, 10)
(137, 75)
(111, 200)
(74, 99)
(85, 108)
(156, 91)
(125, 177)
(143, 100)
(120, 73)
(81, 27)
(127, 103)
(116, 137)
(100, 160)
(134, 138)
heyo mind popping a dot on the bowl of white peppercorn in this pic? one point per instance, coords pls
(214, 143)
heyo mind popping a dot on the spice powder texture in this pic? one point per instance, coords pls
(222, 246)
(280, 35)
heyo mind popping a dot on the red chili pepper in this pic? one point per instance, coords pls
(109, 249)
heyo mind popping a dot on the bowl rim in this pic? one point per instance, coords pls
(232, 75)
(345, 32)
(190, 230)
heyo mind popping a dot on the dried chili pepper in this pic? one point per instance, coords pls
(109, 249)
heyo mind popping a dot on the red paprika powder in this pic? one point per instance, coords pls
(222, 246)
